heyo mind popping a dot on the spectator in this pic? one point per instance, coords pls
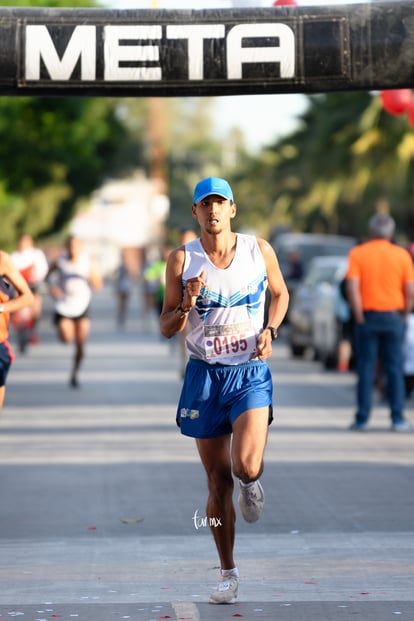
(345, 327)
(380, 288)
(295, 269)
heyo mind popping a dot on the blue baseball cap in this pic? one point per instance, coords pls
(212, 185)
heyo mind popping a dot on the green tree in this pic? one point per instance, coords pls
(346, 159)
(192, 153)
(52, 152)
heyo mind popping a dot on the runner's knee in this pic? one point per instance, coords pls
(248, 469)
(220, 483)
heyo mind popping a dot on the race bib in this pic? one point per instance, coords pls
(238, 340)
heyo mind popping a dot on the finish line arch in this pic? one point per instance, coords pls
(162, 53)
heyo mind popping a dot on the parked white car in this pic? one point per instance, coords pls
(307, 246)
(313, 309)
(329, 309)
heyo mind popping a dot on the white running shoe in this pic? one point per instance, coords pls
(226, 592)
(251, 501)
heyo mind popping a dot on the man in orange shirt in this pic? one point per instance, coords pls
(380, 287)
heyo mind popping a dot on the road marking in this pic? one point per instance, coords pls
(186, 610)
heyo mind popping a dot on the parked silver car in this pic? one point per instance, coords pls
(313, 317)
(329, 309)
(308, 246)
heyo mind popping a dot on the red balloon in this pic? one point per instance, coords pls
(410, 113)
(396, 101)
(284, 3)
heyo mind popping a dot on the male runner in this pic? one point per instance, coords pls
(217, 284)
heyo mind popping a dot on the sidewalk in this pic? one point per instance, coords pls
(99, 492)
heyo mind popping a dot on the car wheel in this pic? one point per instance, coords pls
(330, 362)
(297, 350)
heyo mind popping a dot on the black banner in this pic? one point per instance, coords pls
(206, 52)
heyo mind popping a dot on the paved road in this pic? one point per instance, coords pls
(99, 493)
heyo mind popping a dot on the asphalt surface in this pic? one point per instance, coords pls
(99, 492)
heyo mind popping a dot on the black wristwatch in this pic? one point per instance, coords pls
(181, 311)
(273, 332)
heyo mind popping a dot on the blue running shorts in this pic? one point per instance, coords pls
(214, 395)
(6, 358)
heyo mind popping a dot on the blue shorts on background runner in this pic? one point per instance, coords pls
(6, 358)
(213, 396)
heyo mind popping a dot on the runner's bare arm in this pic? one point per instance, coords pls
(95, 277)
(173, 315)
(279, 298)
(52, 281)
(11, 273)
(178, 300)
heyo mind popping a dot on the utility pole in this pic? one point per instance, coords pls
(156, 133)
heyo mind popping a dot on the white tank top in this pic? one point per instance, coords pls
(229, 312)
(73, 279)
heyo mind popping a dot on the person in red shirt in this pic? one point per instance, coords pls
(380, 287)
(33, 265)
(14, 295)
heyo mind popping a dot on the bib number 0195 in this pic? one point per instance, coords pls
(229, 344)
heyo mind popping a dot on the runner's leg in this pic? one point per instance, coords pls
(215, 456)
(66, 330)
(250, 431)
(81, 334)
